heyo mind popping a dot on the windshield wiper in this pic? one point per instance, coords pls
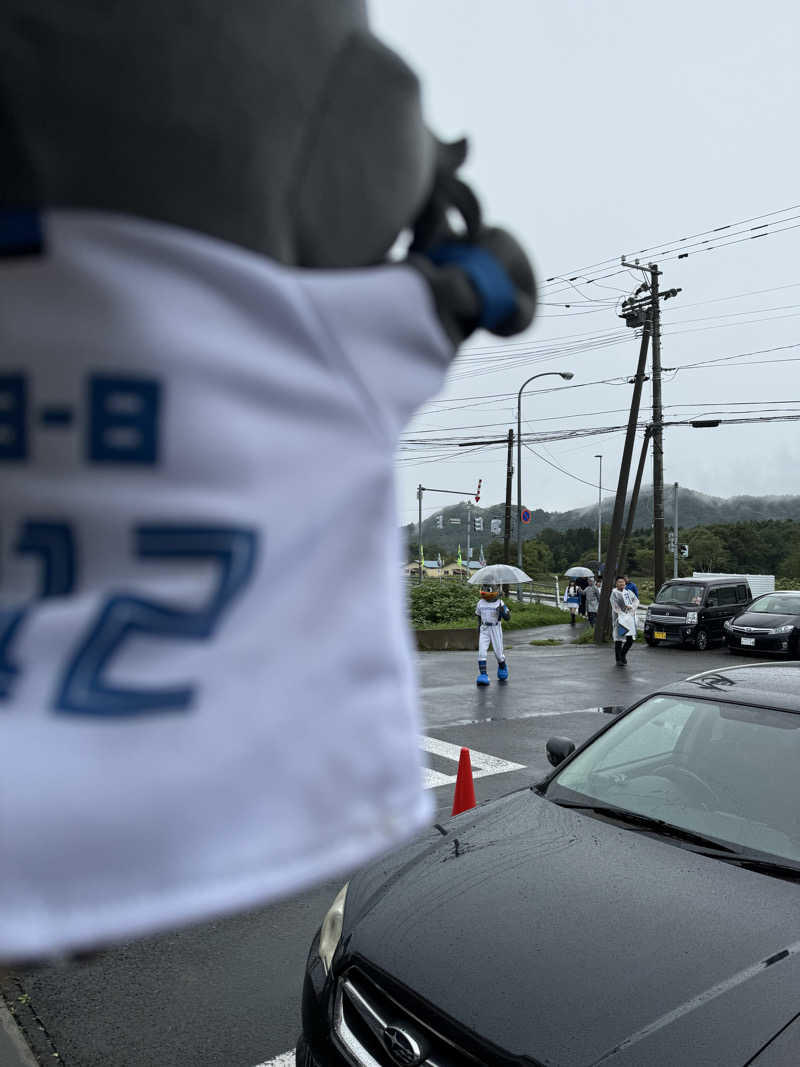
(650, 824)
(753, 862)
(706, 846)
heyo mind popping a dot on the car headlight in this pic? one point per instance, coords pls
(331, 930)
(727, 625)
(786, 629)
(691, 618)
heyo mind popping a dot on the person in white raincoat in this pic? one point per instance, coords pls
(623, 620)
(207, 356)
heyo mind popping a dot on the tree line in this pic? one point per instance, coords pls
(768, 546)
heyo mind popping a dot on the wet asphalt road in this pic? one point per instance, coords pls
(226, 993)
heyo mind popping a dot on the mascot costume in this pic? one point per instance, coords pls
(206, 358)
(492, 612)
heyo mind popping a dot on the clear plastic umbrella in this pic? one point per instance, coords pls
(579, 572)
(499, 574)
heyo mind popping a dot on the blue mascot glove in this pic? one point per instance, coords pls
(487, 283)
(481, 276)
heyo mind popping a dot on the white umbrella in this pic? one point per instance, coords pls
(499, 574)
(579, 572)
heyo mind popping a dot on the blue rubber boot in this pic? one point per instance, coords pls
(483, 677)
(502, 671)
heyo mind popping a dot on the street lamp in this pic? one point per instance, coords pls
(566, 375)
(599, 508)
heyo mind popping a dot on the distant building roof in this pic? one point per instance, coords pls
(474, 565)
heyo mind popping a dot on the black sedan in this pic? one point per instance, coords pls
(771, 623)
(640, 906)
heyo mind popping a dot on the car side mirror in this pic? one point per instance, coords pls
(558, 748)
(711, 602)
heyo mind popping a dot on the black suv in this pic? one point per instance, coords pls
(693, 611)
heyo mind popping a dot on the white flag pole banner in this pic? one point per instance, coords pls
(203, 343)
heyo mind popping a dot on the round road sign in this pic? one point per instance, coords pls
(525, 516)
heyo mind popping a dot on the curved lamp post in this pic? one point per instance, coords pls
(566, 375)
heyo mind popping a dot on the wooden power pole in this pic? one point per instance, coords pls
(633, 309)
(658, 435)
(615, 534)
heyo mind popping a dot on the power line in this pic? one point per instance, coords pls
(563, 470)
(575, 275)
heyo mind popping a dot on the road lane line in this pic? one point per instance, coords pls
(286, 1059)
(482, 763)
(432, 778)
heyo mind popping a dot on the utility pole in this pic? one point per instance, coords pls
(419, 531)
(599, 509)
(675, 527)
(654, 298)
(658, 435)
(612, 549)
(634, 496)
(469, 523)
(509, 482)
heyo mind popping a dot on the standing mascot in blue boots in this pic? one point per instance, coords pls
(492, 612)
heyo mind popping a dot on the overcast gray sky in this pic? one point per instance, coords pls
(599, 129)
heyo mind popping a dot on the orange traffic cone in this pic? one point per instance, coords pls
(464, 798)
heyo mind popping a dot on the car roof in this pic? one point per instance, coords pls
(740, 580)
(766, 685)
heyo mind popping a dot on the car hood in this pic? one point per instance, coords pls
(564, 939)
(761, 620)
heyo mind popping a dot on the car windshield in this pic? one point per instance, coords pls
(721, 770)
(680, 594)
(777, 604)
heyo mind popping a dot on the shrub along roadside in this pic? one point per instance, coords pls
(441, 605)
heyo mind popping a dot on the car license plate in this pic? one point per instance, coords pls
(748, 640)
(660, 635)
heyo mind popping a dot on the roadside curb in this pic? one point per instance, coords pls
(14, 1049)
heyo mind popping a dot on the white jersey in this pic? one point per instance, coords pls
(186, 432)
(488, 611)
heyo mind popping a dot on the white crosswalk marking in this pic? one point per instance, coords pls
(482, 764)
(286, 1059)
